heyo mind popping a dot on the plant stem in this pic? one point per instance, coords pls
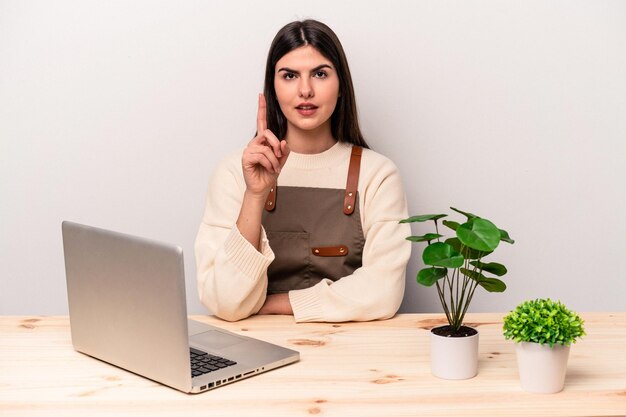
(473, 288)
(443, 301)
(457, 290)
(452, 303)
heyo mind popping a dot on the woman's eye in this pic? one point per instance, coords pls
(289, 76)
(320, 74)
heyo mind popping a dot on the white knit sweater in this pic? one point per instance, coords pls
(232, 274)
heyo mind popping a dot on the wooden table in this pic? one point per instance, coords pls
(350, 369)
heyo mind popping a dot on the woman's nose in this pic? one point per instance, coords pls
(306, 89)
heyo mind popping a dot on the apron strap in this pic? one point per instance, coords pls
(351, 184)
(353, 180)
(270, 203)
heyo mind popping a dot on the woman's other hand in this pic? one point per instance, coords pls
(277, 304)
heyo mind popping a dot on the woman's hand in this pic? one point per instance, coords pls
(262, 161)
(264, 157)
(277, 304)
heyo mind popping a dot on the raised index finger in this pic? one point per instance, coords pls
(261, 121)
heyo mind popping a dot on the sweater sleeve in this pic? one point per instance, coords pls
(231, 273)
(375, 290)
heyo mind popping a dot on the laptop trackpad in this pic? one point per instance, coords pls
(214, 339)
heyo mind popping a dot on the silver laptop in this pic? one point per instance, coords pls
(127, 307)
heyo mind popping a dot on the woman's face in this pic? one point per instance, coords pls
(307, 88)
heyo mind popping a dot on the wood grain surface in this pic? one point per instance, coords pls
(346, 369)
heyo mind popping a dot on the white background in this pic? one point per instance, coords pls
(114, 113)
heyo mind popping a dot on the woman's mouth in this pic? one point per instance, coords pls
(306, 109)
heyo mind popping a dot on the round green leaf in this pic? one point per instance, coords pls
(468, 253)
(468, 215)
(451, 224)
(492, 284)
(423, 218)
(492, 267)
(428, 276)
(504, 236)
(442, 254)
(479, 234)
(425, 238)
(473, 274)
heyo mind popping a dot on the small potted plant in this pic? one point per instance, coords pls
(457, 269)
(543, 331)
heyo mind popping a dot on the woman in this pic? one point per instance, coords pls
(305, 220)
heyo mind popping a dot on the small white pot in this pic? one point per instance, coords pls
(454, 357)
(541, 368)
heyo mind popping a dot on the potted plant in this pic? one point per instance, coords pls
(456, 267)
(543, 331)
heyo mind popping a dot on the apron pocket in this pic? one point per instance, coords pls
(290, 270)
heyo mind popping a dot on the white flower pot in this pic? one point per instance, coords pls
(541, 368)
(454, 357)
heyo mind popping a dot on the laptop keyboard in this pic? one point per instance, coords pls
(203, 363)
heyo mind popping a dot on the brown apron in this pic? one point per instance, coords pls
(315, 233)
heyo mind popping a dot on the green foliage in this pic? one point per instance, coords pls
(455, 265)
(428, 276)
(442, 254)
(479, 234)
(543, 321)
(424, 238)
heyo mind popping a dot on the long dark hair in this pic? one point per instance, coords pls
(344, 120)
